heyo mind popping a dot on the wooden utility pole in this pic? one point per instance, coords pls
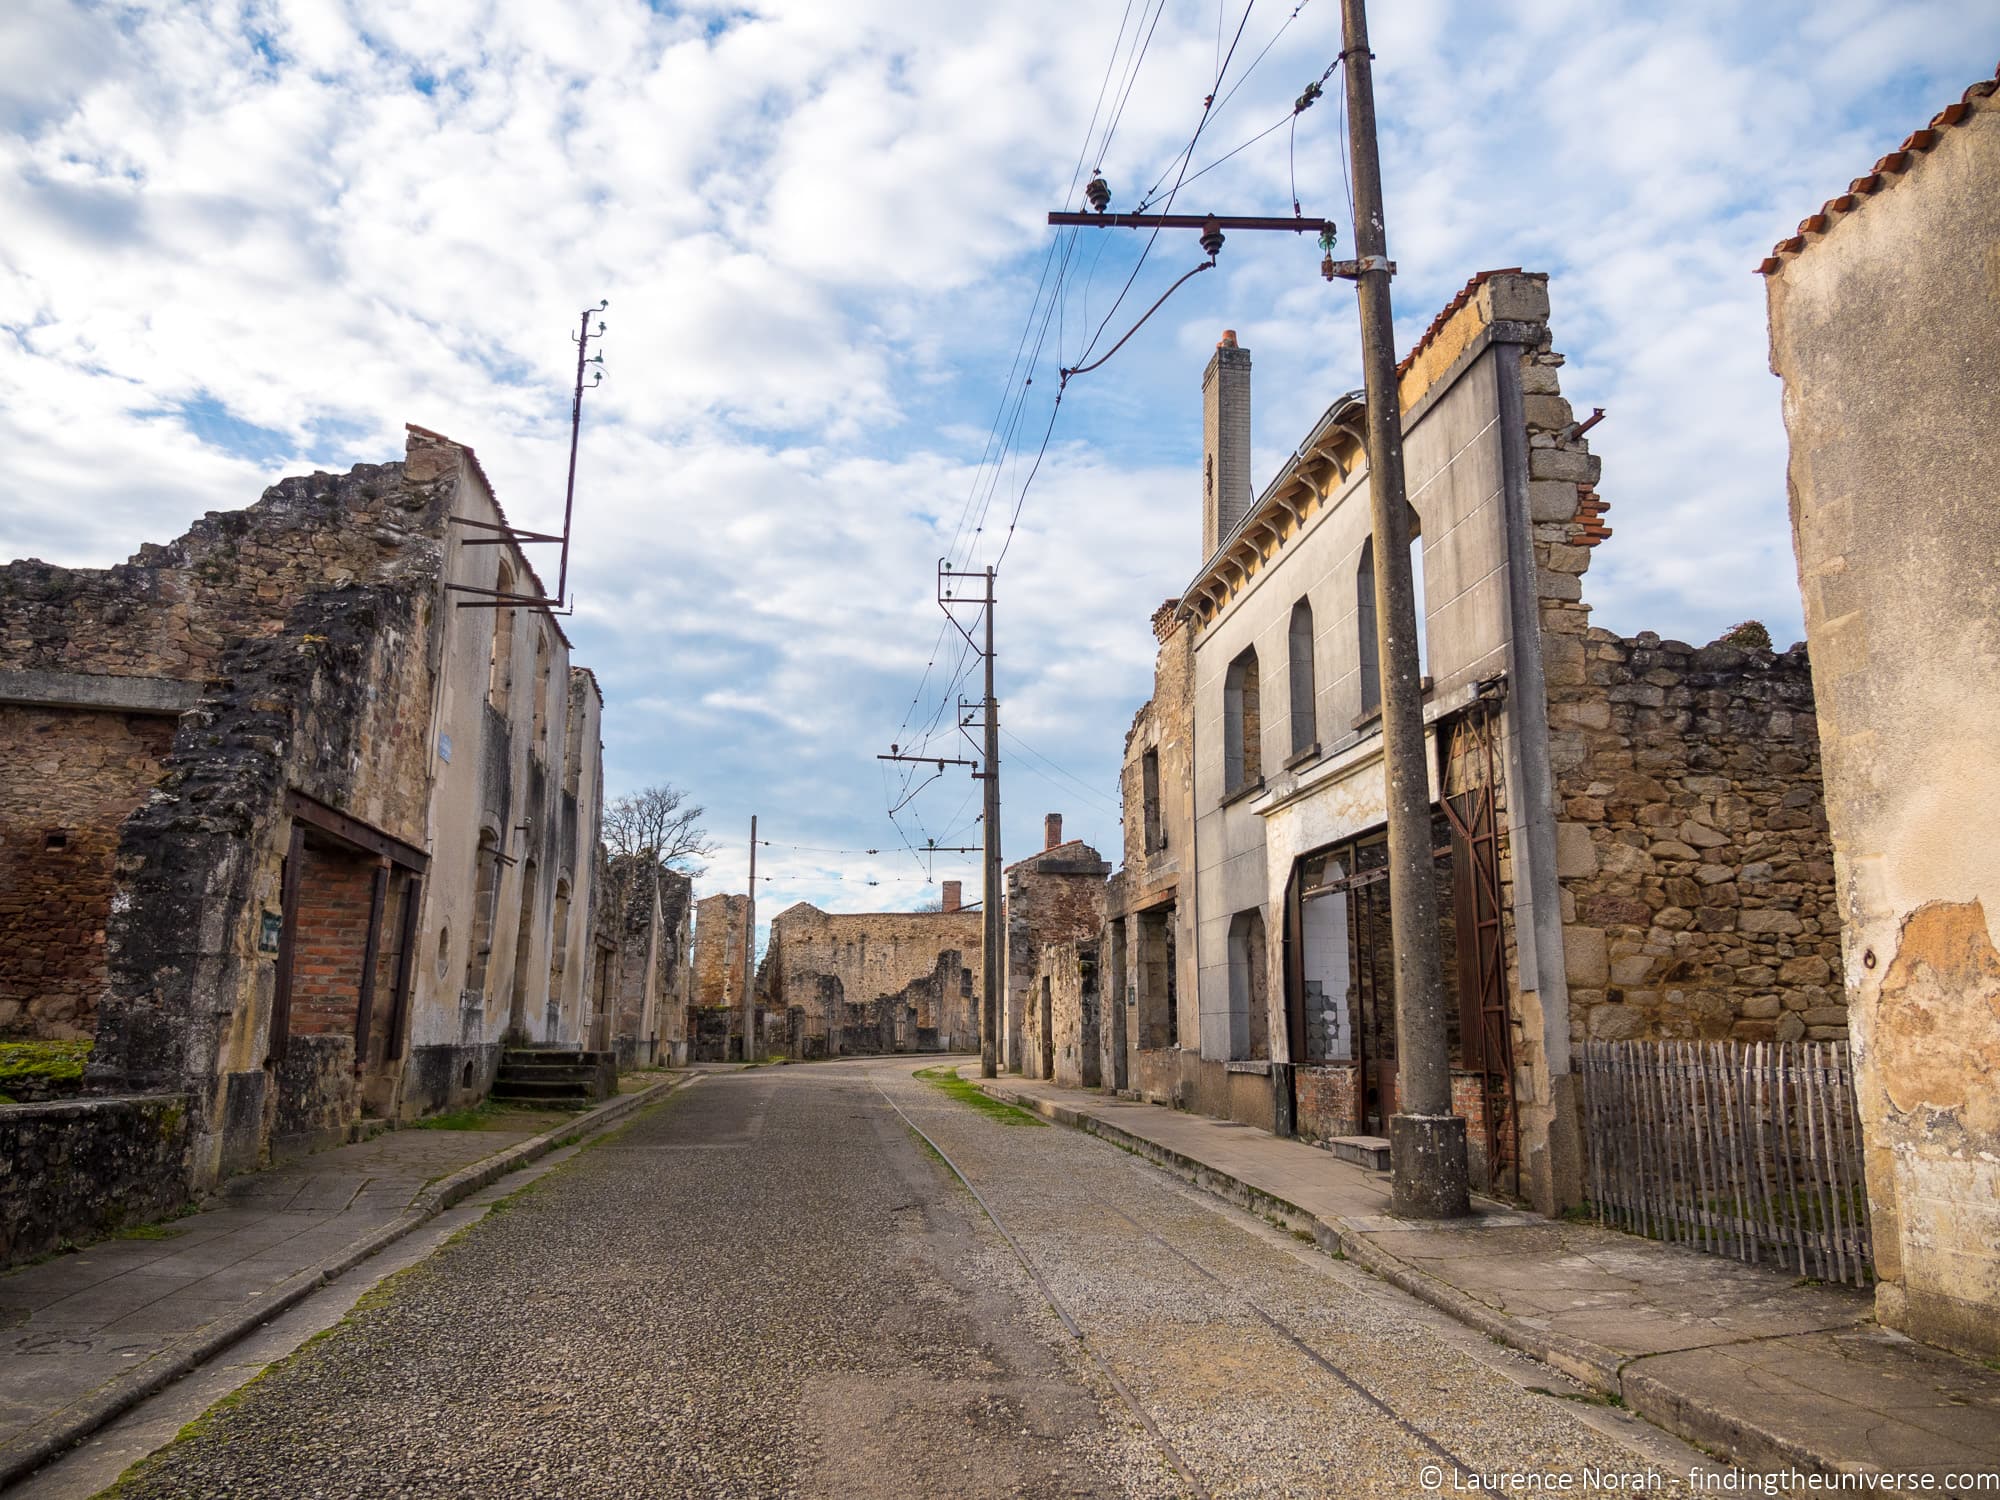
(750, 1048)
(993, 931)
(1426, 1140)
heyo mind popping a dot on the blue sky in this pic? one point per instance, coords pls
(247, 239)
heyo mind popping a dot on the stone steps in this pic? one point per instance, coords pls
(555, 1075)
(1370, 1151)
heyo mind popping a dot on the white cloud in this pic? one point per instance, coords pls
(820, 225)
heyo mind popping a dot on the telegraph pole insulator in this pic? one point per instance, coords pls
(1097, 193)
(1211, 237)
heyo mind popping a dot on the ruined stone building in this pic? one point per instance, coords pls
(714, 1026)
(1883, 313)
(288, 831)
(1055, 924)
(643, 980)
(871, 982)
(1629, 832)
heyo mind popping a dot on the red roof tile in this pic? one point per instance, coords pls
(1444, 317)
(1892, 165)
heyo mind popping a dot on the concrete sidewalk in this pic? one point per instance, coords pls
(1743, 1360)
(83, 1337)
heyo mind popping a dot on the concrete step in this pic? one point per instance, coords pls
(568, 1088)
(546, 1072)
(1370, 1151)
(543, 1056)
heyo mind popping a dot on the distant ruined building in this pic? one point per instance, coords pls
(875, 982)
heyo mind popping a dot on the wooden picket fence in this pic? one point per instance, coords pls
(1751, 1150)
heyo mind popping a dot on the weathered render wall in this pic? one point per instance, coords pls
(1882, 314)
(1072, 971)
(76, 1169)
(646, 986)
(71, 778)
(823, 964)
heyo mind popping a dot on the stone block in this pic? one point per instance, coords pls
(1585, 960)
(1576, 854)
(1762, 921)
(1616, 1023)
(1701, 835)
(1547, 411)
(1633, 969)
(1806, 969)
(1566, 464)
(1761, 1008)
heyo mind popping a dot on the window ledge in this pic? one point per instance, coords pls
(1303, 757)
(1373, 715)
(1248, 1065)
(1248, 789)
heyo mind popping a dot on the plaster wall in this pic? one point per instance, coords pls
(1882, 331)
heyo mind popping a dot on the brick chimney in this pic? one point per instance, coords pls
(1051, 830)
(1225, 443)
(954, 894)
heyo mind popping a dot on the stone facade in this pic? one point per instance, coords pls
(1055, 897)
(720, 924)
(78, 1169)
(1640, 819)
(827, 971)
(1882, 313)
(334, 832)
(1697, 877)
(645, 974)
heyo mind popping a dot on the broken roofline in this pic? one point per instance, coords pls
(1345, 416)
(513, 547)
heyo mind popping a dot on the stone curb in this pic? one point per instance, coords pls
(56, 1435)
(1683, 1413)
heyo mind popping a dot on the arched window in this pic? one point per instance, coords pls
(1364, 626)
(1305, 728)
(1249, 994)
(485, 900)
(500, 662)
(559, 941)
(1365, 621)
(1242, 724)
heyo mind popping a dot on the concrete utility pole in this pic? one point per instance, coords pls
(750, 1048)
(993, 931)
(1426, 1140)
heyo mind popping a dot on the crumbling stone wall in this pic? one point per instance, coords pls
(720, 923)
(926, 960)
(646, 986)
(1697, 875)
(1054, 897)
(1073, 971)
(80, 1168)
(71, 778)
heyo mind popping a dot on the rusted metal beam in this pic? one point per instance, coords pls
(1295, 225)
(303, 809)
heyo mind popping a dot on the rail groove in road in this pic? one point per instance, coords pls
(1055, 1302)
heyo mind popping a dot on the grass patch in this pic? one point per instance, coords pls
(473, 1117)
(153, 1232)
(948, 1081)
(45, 1062)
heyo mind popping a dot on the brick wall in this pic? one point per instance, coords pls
(330, 939)
(71, 778)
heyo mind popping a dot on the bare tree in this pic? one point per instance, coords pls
(660, 821)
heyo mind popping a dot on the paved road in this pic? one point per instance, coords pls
(768, 1286)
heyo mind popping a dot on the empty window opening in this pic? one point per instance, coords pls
(54, 841)
(485, 908)
(1305, 729)
(539, 690)
(500, 659)
(1249, 993)
(1155, 987)
(1364, 627)
(1242, 731)
(1149, 790)
(524, 945)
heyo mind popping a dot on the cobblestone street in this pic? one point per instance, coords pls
(768, 1285)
